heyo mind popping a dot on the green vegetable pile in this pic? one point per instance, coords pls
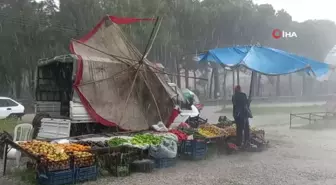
(117, 141)
(190, 131)
(146, 139)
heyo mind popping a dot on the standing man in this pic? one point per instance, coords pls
(241, 113)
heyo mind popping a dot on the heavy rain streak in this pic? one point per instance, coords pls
(116, 72)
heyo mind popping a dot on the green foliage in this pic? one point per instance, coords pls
(32, 30)
(8, 125)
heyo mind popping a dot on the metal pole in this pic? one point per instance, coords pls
(5, 158)
(152, 38)
(233, 80)
(251, 86)
(211, 80)
(238, 81)
(290, 120)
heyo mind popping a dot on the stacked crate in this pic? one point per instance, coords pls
(194, 149)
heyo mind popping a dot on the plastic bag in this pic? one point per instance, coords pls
(160, 127)
(168, 149)
(61, 141)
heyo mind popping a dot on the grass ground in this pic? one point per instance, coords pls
(25, 176)
(8, 125)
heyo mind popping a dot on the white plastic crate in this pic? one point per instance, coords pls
(54, 128)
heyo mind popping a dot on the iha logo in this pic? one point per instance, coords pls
(277, 34)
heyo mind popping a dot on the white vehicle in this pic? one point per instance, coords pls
(10, 108)
(57, 103)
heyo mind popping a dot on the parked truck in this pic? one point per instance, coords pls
(55, 97)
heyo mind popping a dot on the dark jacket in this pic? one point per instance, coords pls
(240, 105)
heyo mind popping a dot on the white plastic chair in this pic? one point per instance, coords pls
(22, 132)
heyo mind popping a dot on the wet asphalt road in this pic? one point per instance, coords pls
(296, 157)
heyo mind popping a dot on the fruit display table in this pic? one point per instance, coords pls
(78, 159)
(10, 144)
(43, 152)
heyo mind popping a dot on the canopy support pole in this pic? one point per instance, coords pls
(238, 81)
(233, 80)
(252, 86)
(152, 38)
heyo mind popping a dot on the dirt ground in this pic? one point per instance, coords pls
(302, 155)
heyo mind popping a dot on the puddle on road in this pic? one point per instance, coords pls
(300, 157)
(312, 176)
(278, 143)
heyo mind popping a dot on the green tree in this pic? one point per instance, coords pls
(31, 30)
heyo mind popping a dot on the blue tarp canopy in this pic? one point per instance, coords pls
(264, 60)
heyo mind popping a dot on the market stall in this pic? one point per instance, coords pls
(158, 140)
(70, 156)
(257, 136)
(87, 157)
(264, 60)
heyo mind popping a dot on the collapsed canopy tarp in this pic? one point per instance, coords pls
(106, 70)
(265, 60)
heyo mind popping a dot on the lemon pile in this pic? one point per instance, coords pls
(209, 130)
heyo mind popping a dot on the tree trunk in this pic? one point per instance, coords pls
(259, 86)
(216, 82)
(186, 78)
(204, 90)
(32, 82)
(303, 92)
(210, 87)
(255, 84)
(194, 80)
(12, 89)
(321, 87)
(224, 84)
(233, 81)
(290, 84)
(311, 86)
(178, 72)
(18, 81)
(278, 86)
(238, 77)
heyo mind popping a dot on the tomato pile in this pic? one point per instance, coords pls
(180, 135)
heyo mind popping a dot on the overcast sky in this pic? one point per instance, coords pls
(301, 10)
